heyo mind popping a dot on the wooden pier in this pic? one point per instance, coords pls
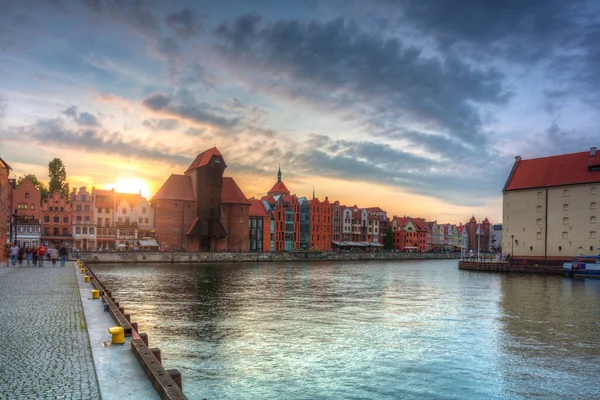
(504, 266)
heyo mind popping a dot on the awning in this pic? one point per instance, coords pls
(148, 243)
(373, 244)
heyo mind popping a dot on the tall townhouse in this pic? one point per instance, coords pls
(26, 200)
(382, 225)
(126, 224)
(347, 224)
(305, 226)
(104, 213)
(284, 209)
(56, 220)
(259, 227)
(82, 221)
(550, 207)
(5, 206)
(320, 224)
(336, 221)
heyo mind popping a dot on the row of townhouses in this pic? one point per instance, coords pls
(201, 210)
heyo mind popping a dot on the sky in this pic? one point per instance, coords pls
(418, 107)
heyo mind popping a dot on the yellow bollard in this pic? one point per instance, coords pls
(86, 278)
(118, 335)
(95, 294)
(83, 271)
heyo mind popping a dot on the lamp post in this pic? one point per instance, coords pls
(16, 223)
(512, 242)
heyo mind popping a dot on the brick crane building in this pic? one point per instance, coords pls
(200, 210)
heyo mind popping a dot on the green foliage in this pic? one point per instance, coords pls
(389, 240)
(58, 177)
(36, 182)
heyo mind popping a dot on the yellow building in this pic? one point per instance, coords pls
(550, 207)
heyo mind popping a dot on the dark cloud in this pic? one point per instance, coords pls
(83, 118)
(335, 64)
(557, 140)
(167, 124)
(235, 103)
(184, 23)
(137, 14)
(54, 132)
(187, 107)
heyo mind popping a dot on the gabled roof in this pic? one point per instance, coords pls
(203, 158)
(4, 164)
(231, 193)
(257, 208)
(130, 198)
(375, 210)
(279, 188)
(177, 187)
(564, 169)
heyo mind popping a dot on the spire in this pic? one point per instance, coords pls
(313, 192)
(279, 174)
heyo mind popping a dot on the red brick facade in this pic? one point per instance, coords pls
(4, 207)
(320, 224)
(172, 221)
(56, 220)
(26, 200)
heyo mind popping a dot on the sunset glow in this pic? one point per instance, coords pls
(131, 185)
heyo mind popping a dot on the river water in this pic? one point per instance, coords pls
(365, 330)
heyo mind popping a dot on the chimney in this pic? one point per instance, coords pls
(592, 151)
(518, 158)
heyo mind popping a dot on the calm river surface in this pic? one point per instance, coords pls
(365, 330)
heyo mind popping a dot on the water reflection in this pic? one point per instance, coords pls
(386, 330)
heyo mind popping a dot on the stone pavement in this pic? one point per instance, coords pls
(46, 352)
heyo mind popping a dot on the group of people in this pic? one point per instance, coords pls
(34, 255)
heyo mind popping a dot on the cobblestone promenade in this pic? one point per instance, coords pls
(45, 350)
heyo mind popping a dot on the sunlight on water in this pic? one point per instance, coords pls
(378, 330)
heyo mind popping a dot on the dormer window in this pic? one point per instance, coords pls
(26, 195)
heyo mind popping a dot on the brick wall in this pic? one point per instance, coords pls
(172, 220)
(4, 207)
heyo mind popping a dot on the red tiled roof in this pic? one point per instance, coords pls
(231, 193)
(203, 158)
(374, 209)
(257, 208)
(279, 188)
(177, 187)
(564, 169)
(473, 219)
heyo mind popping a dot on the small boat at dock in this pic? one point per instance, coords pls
(583, 266)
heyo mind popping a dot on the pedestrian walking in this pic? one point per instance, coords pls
(28, 251)
(63, 253)
(53, 254)
(14, 253)
(41, 255)
(21, 254)
(34, 255)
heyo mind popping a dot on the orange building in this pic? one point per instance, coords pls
(410, 234)
(26, 199)
(56, 220)
(284, 210)
(320, 224)
(83, 224)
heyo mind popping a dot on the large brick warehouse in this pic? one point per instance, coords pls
(201, 210)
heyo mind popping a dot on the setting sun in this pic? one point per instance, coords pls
(131, 185)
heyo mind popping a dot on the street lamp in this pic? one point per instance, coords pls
(512, 242)
(16, 223)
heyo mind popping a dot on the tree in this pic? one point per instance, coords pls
(58, 177)
(36, 182)
(388, 242)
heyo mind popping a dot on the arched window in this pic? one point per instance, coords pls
(592, 220)
(593, 235)
(565, 235)
(593, 205)
(539, 208)
(539, 221)
(565, 221)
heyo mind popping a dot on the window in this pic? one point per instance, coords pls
(32, 206)
(65, 231)
(539, 195)
(78, 230)
(140, 219)
(593, 235)
(530, 248)
(99, 221)
(26, 195)
(66, 220)
(78, 207)
(99, 210)
(46, 218)
(46, 231)
(84, 230)
(78, 218)
(56, 219)
(539, 221)
(565, 221)
(565, 235)
(566, 193)
(87, 218)
(145, 220)
(593, 190)
(87, 208)
(565, 207)
(539, 235)
(55, 232)
(83, 197)
(106, 221)
(539, 209)
(92, 230)
(22, 206)
(592, 220)
(107, 210)
(61, 209)
(143, 210)
(593, 205)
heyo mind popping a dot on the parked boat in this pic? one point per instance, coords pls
(584, 266)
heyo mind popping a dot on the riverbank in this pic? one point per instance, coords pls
(157, 257)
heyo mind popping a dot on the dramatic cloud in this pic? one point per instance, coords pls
(190, 109)
(184, 23)
(83, 119)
